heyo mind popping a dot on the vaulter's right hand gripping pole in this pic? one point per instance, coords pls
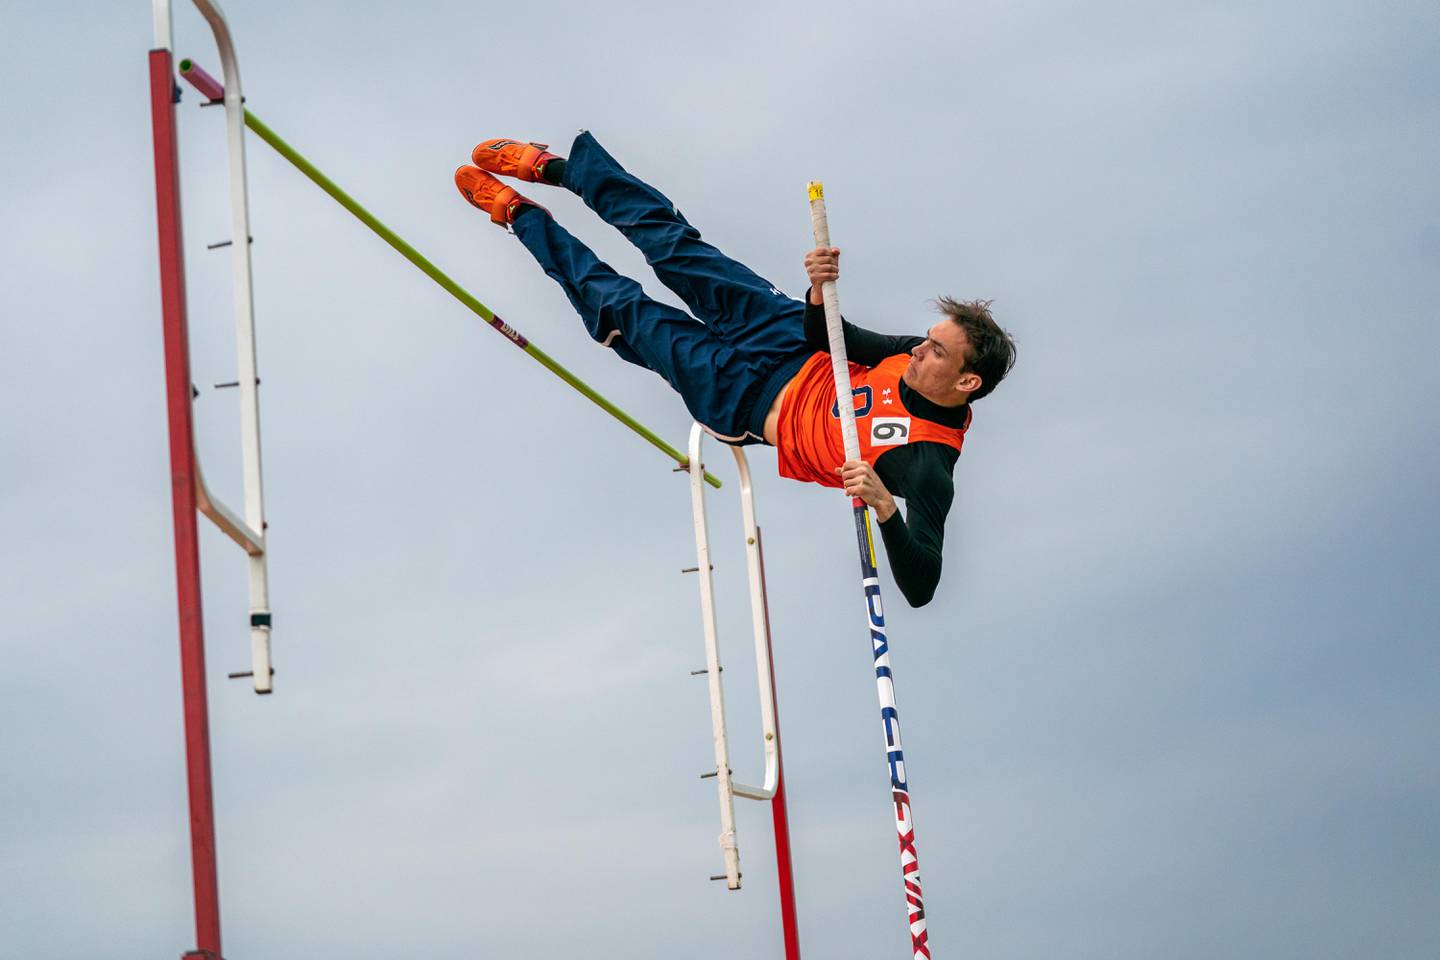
(880, 647)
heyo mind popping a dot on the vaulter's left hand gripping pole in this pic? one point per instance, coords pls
(870, 579)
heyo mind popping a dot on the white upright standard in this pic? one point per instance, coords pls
(773, 788)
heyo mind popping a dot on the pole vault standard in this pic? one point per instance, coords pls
(211, 88)
(870, 579)
(773, 789)
(188, 491)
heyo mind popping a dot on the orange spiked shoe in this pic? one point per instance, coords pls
(485, 193)
(512, 158)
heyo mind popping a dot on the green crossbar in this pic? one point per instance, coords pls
(450, 286)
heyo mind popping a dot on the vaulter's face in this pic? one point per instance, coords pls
(936, 365)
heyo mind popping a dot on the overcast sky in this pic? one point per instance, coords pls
(1176, 696)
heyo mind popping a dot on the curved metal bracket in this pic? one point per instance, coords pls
(728, 788)
(248, 532)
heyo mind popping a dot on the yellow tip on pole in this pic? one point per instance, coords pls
(817, 190)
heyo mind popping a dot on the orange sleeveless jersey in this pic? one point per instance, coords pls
(810, 446)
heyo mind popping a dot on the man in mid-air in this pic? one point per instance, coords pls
(752, 364)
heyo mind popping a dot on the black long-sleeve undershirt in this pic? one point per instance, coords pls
(920, 473)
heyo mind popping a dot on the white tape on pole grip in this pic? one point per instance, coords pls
(839, 363)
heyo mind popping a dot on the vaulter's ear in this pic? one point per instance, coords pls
(969, 381)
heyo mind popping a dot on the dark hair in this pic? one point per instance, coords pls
(992, 350)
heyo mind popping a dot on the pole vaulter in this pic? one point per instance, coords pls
(754, 365)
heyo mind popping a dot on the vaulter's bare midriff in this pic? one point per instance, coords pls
(772, 419)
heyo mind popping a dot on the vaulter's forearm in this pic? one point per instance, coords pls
(914, 565)
(914, 540)
(862, 346)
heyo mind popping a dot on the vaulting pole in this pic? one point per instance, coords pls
(870, 579)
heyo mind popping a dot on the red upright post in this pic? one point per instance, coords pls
(182, 488)
(789, 925)
(780, 816)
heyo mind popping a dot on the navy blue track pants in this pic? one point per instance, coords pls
(746, 338)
